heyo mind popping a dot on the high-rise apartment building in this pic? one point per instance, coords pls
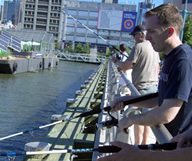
(42, 15)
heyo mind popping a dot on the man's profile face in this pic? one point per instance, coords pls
(155, 33)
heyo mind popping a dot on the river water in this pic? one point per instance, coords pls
(28, 100)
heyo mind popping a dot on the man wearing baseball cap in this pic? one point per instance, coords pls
(144, 62)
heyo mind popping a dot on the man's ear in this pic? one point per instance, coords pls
(171, 30)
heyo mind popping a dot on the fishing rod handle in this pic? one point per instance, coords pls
(89, 113)
(137, 99)
(165, 146)
(108, 149)
(141, 98)
(115, 149)
(107, 124)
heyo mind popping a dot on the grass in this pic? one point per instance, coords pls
(4, 54)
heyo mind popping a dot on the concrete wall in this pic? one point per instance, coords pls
(27, 65)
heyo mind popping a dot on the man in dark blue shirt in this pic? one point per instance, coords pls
(163, 25)
(176, 82)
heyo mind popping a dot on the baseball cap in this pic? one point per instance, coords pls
(138, 28)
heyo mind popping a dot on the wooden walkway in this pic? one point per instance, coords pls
(72, 134)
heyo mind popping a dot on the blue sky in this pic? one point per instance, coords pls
(157, 2)
(1, 2)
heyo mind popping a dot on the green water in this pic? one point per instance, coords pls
(28, 100)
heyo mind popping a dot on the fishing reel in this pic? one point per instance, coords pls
(109, 123)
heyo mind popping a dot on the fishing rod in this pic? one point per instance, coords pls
(31, 130)
(114, 121)
(109, 123)
(100, 149)
(51, 124)
(105, 40)
(131, 100)
(44, 126)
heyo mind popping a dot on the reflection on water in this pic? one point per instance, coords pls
(28, 100)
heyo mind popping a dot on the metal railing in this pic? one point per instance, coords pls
(81, 57)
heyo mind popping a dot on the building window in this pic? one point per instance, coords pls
(83, 21)
(70, 21)
(93, 23)
(93, 14)
(81, 30)
(83, 13)
(184, 1)
(72, 12)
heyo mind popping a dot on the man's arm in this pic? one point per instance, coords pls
(123, 66)
(159, 115)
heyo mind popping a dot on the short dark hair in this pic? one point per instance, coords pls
(168, 15)
(122, 46)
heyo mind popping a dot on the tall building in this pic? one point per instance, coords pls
(11, 11)
(110, 1)
(142, 8)
(42, 15)
(181, 4)
(1, 13)
(54, 17)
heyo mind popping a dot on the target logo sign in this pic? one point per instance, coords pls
(128, 24)
(128, 21)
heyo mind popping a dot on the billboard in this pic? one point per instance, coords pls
(110, 20)
(116, 20)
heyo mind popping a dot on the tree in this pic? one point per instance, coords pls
(87, 48)
(79, 48)
(187, 38)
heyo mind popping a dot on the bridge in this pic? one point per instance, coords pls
(78, 57)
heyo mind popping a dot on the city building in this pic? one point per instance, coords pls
(181, 4)
(110, 1)
(11, 11)
(1, 13)
(42, 15)
(142, 8)
(53, 16)
(102, 24)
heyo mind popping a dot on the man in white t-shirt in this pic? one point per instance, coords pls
(144, 62)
